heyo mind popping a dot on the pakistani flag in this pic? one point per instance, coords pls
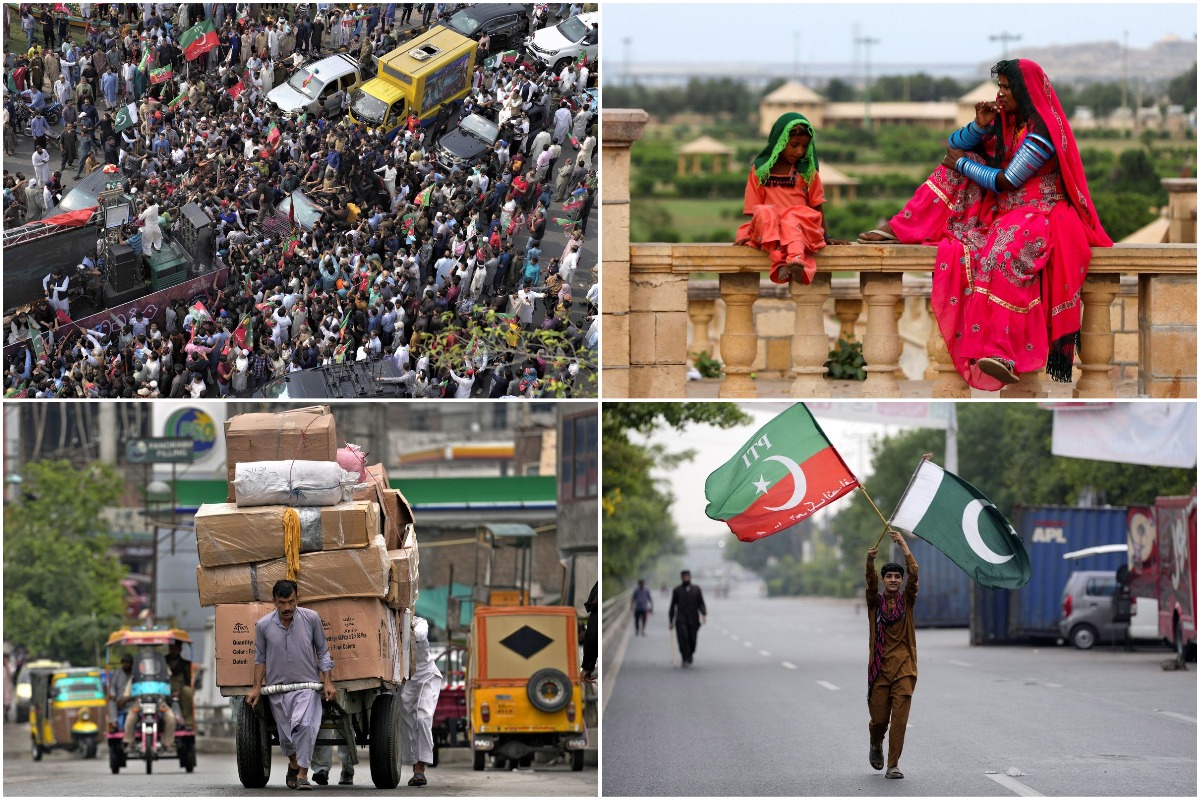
(785, 472)
(955, 517)
(198, 39)
(126, 117)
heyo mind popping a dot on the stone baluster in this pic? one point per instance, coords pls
(810, 343)
(881, 344)
(847, 310)
(1096, 340)
(700, 313)
(739, 342)
(899, 312)
(947, 382)
(1032, 385)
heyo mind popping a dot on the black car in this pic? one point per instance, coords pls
(476, 135)
(506, 23)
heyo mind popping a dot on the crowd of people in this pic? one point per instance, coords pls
(445, 270)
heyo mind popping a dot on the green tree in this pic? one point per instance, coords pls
(62, 591)
(1135, 172)
(1102, 98)
(1182, 89)
(838, 91)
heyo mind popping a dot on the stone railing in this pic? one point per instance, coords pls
(646, 309)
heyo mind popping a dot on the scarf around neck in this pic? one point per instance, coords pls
(883, 617)
(777, 141)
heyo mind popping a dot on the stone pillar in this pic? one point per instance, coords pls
(946, 382)
(1181, 210)
(697, 164)
(622, 127)
(701, 312)
(1167, 333)
(881, 345)
(810, 343)
(847, 310)
(681, 164)
(1032, 385)
(739, 342)
(1096, 338)
(658, 332)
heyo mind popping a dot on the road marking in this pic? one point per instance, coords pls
(1059, 686)
(733, 636)
(788, 665)
(829, 686)
(1183, 717)
(24, 778)
(1013, 785)
(747, 644)
(960, 663)
(764, 653)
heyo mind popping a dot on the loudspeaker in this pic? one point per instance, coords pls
(124, 268)
(195, 236)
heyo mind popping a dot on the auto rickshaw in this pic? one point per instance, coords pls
(148, 693)
(67, 710)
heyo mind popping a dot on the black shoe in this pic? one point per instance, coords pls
(321, 777)
(347, 779)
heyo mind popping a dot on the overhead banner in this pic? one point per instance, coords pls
(1152, 434)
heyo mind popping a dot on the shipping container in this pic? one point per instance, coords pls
(989, 615)
(944, 591)
(1050, 532)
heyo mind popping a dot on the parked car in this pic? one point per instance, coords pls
(1088, 609)
(319, 86)
(562, 43)
(507, 24)
(475, 136)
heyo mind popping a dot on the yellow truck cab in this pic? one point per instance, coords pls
(523, 689)
(417, 78)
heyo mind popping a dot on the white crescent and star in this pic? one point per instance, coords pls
(800, 487)
(970, 526)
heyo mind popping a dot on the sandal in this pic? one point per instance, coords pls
(302, 783)
(884, 237)
(893, 772)
(417, 780)
(999, 368)
(876, 757)
(290, 780)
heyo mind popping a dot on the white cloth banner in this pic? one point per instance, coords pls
(1153, 434)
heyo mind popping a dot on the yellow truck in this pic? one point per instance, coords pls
(416, 79)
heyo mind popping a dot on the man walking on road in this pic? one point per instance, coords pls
(290, 649)
(892, 672)
(686, 614)
(643, 604)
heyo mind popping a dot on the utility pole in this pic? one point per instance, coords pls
(1125, 74)
(796, 55)
(866, 42)
(628, 42)
(1004, 38)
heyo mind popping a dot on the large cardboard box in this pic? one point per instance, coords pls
(362, 572)
(226, 534)
(365, 639)
(308, 434)
(402, 587)
(397, 518)
(376, 480)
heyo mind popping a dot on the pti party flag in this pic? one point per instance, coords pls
(161, 75)
(127, 117)
(179, 98)
(237, 89)
(955, 517)
(785, 472)
(200, 314)
(198, 39)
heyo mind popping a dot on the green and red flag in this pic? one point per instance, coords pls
(956, 518)
(785, 472)
(198, 39)
(144, 64)
(161, 75)
(179, 98)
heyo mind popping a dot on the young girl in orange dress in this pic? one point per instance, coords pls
(784, 198)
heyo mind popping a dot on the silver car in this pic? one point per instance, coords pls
(1088, 609)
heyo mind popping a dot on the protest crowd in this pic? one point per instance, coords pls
(445, 270)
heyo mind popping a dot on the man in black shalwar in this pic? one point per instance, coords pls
(686, 614)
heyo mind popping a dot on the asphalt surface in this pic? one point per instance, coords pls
(65, 774)
(775, 704)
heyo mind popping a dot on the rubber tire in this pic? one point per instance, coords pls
(53, 117)
(187, 756)
(562, 62)
(384, 744)
(525, 762)
(114, 759)
(477, 760)
(576, 761)
(149, 762)
(89, 749)
(36, 750)
(253, 769)
(1084, 636)
(539, 702)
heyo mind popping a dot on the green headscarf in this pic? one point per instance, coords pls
(781, 131)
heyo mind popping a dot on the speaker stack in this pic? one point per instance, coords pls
(124, 282)
(195, 236)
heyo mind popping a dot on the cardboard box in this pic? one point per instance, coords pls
(363, 635)
(226, 534)
(402, 586)
(233, 629)
(361, 572)
(397, 518)
(308, 434)
(377, 480)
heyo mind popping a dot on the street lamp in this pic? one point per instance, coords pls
(866, 42)
(157, 492)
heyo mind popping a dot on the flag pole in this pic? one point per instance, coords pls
(903, 494)
(863, 489)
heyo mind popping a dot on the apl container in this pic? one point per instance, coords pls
(1050, 532)
(944, 591)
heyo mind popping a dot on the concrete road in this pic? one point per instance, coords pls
(62, 774)
(775, 704)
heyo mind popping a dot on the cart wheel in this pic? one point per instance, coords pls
(576, 761)
(384, 745)
(477, 761)
(37, 749)
(253, 758)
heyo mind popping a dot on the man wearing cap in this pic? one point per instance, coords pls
(892, 671)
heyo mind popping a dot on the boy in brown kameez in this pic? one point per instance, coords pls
(892, 669)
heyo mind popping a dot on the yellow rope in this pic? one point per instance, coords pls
(291, 542)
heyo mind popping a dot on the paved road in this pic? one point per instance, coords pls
(63, 774)
(776, 705)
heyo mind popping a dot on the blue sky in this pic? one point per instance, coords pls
(908, 33)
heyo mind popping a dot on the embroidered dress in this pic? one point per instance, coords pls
(1010, 265)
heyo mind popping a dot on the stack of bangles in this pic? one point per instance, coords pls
(280, 688)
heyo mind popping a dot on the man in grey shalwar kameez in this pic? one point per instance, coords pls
(418, 700)
(290, 649)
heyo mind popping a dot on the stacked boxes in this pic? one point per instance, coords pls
(358, 560)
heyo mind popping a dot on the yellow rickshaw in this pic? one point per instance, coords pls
(67, 710)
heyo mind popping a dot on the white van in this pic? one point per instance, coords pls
(564, 42)
(319, 86)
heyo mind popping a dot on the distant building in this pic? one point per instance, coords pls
(704, 156)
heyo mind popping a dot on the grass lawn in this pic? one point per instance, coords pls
(696, 220)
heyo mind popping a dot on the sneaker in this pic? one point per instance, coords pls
(347, 779)
(321, 777)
